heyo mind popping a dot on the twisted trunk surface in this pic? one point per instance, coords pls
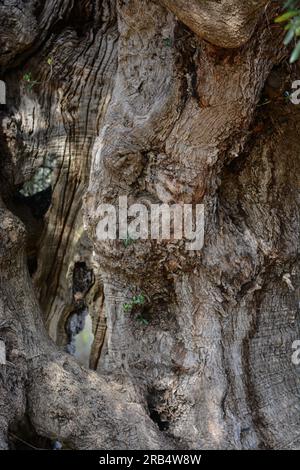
(161, 103)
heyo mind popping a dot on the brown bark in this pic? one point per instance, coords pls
(190, 108)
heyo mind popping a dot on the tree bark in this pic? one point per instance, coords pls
(161, 103)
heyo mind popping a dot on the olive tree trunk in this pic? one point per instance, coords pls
(161, 101)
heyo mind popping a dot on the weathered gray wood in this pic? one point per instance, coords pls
(137, 101)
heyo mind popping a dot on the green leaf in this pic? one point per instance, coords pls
(128, 241)
(27, 77)
(127, 307)
(287, 16)
(296, 54)
(142, 320)
(139, 299)
(289, 37)
(167, 42)
(290, 4)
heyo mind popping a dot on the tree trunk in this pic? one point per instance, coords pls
(163, 104)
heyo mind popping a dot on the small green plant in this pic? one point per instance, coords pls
(142, 320)
(128, 241)
(28, 78)
(167, 42)
(292, 28)
(137, 300)
(127, 307)
(30, 83)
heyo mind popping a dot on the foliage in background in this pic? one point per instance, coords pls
(292, 17)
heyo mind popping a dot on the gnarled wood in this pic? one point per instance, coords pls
(225, 23)
(139, 102)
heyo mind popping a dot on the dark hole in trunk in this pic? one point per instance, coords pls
(22, 436)
(156, 405)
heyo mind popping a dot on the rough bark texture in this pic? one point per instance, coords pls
(179, 109)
